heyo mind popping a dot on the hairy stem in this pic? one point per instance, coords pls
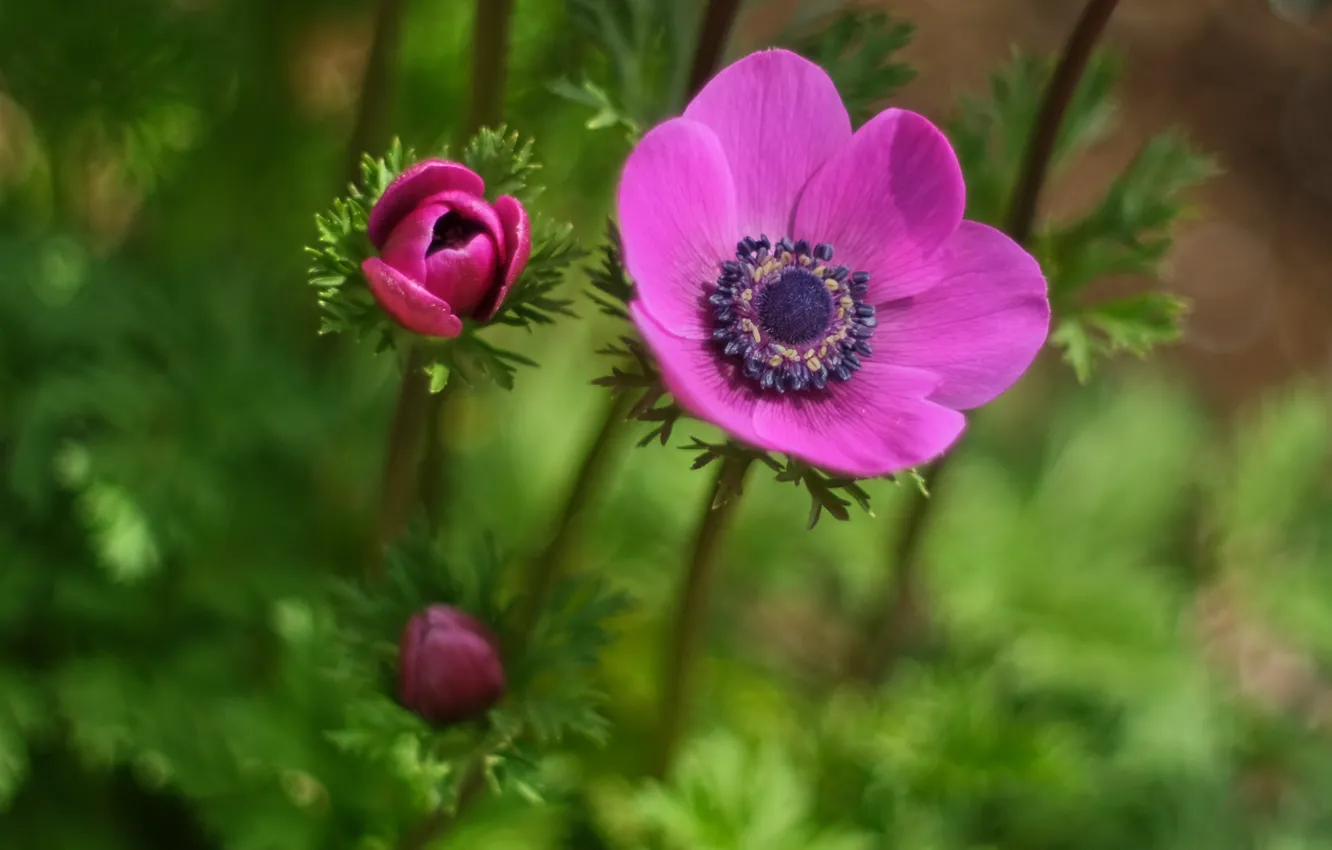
(716, 30)
(553, 560)
(903, 614)
(689, 631)
(377, 86)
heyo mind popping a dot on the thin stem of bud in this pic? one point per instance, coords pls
(689, 632)
(398, 489)
(904, 614)
(434, 461)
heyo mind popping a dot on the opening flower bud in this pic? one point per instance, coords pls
(449, 668)
(445, 252)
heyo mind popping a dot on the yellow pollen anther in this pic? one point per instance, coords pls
(813, 364)
(754, 332)
(758, 274)
(747, 295)
(823, 351)
(804, 261)
(831, 285)
(786, 258)
(847, 301)
(775, 360)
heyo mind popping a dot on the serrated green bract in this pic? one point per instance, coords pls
(551, 690)
(857, 47)
(507, 164)
(1126, 233)
(1132, 325)
(611, 287)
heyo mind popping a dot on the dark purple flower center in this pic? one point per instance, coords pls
(792, 317)
(452, 231)
(796, 307)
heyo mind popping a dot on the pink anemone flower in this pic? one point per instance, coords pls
(816, 292)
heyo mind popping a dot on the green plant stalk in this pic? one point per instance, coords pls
(553, 560)
(398, 487)
(689, 629)
(434, 461)
(904, 614)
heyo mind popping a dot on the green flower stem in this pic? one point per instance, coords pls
(433, 463)
(553, 560)
(399, 487)
(904, 615)
(903, 609)
(688, 635)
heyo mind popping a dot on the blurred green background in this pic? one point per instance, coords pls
(1126, 599)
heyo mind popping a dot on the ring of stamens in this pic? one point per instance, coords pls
(793, 319)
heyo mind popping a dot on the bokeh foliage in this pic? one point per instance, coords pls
(188, 468)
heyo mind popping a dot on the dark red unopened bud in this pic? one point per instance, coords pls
(449, 667)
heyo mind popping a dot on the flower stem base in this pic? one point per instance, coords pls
(687, 637)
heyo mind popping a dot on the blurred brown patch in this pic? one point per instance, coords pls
(327, 65)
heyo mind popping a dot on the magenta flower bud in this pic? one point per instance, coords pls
(449, 666)
(445, 253)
